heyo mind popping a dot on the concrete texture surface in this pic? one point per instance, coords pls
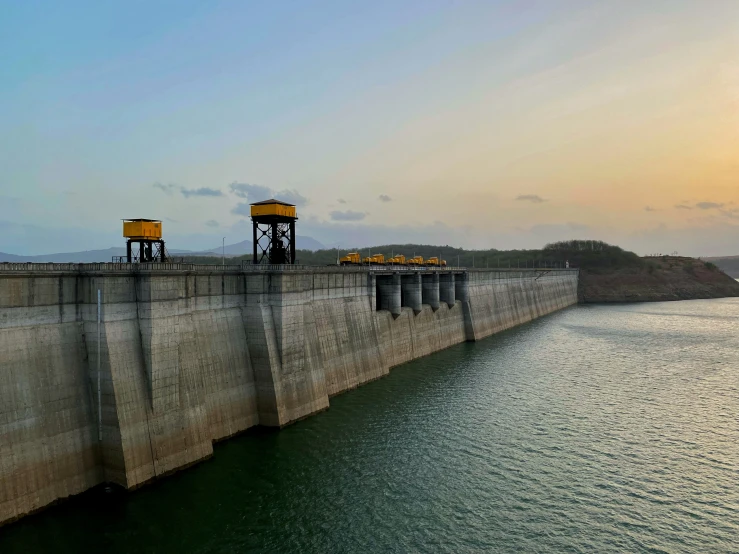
(189, 356)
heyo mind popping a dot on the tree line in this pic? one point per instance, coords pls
(579, 253)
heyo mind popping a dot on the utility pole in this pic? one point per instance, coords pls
(100, 344)
(223, 253)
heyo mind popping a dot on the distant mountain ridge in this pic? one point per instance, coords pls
(245, 247)
(106, 255)
(87, 256)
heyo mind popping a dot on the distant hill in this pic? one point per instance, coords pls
(87, 256)
(727, 264)
(94, 256)
(308, 243)
(607, 273)
(454, 256)
(244, 247)
(611, 274)
(657, 279)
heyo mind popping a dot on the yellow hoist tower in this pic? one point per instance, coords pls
(147, 234)
(273, 232)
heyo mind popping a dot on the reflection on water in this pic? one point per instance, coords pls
(596, 429)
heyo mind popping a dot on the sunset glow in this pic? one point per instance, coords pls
(484, 124)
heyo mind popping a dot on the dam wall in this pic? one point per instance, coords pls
(189, 355)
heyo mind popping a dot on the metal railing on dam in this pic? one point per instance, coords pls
(33, 267)
(166, 266)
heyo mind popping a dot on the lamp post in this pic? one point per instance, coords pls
(223, 253)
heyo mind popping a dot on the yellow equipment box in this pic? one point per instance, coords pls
(273, 207)
(351, 258)
(376, 259)
(142, 229)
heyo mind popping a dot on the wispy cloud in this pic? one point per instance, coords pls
(166, 189)
(171, 188)
(212, 223)
(347, 215)
(385, 198)
(705, 205)
(341, 201)
(257, 193)
(202, 191)
(709, 205)
(533, 198)
(242, 208)
(292, 196)
(650, 209)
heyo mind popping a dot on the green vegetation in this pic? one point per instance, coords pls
(453, 256)
(589, 254)
(594, 254)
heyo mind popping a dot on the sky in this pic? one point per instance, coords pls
(491, 124)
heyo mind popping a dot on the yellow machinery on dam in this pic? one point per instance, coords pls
(354, 258)
(377, 259)
(434, 261)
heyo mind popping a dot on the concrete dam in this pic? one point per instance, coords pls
(185, 355)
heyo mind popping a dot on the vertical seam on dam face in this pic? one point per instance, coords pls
(187, 362)
(61, 300)
(147, 374)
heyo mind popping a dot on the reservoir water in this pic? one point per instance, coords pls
(595, 429)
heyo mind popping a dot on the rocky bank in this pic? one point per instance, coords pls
(658, 279)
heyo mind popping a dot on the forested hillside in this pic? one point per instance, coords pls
(607, 273)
